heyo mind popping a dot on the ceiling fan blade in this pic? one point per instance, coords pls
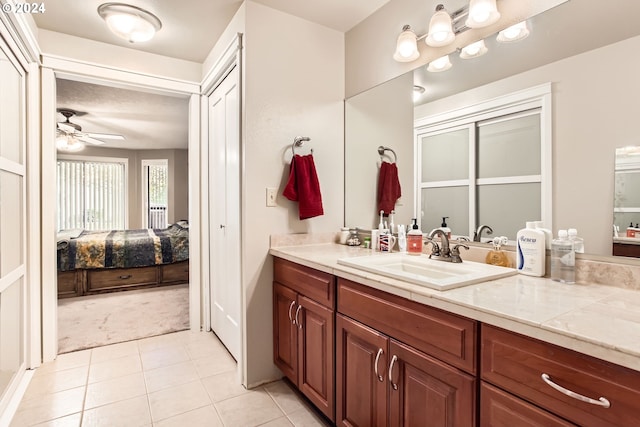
(66, 128)
(105, 135)
(85, 138)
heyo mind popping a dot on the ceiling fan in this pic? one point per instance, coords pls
(74, 131)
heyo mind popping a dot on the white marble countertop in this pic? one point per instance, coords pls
(601, 321)
(627, 240)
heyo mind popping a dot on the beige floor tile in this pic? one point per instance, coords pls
(223, 386)
(169, 376)
(68, 421)
(164, 356)
(114, 351)
(114, 368)
(278, 422)
(125, 413)
(213, 365)
(205, 347)
(305, 417)
(52, 382)
(159, 341)
(114, 390)
(49, 407)
(67, 361)
(177, 400)
(201, 417)
(287, 399)
(248, 410)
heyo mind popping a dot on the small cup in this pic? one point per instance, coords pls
(387, 241)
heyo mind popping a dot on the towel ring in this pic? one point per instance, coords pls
(299, 141)
(382, 149)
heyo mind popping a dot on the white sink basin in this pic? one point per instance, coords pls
(421, 270)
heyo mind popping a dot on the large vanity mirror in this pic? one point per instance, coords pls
(593, 109)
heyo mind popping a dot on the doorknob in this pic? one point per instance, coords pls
(222, 226)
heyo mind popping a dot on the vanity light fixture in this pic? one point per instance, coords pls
(406, 46)
(514, 33)
(440, 28)
(482, 13)
(417, 92)
(130, 22)
(438, 65)
(68, 143)
(473, 50)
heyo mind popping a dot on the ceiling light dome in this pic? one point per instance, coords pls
(130, 22)
(440, 28)
(473, 50)
(68, 143)
(482, 13)
(514, 33)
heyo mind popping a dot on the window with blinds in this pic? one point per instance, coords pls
(91, 194)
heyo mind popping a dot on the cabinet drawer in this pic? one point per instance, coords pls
(317, 285)
(68, 284)
(178, 272)
(446, 336)
(109, 279)
(501, 409)
(516, 363)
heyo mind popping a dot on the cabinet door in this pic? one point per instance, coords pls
(361, 392)
(316, 355)
(426, 392)
(285, 332)
(501, 409)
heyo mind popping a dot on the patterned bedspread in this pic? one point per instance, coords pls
(124, 248)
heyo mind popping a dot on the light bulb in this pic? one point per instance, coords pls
(441, 64)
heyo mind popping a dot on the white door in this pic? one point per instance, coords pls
(224, 212)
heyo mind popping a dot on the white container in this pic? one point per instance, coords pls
(375, 240)
(578, 242)
(344, 235)
(563, 259)
(548, 236)
(530, 253)
(402, 239)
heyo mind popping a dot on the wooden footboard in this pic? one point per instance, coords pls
(88, 282)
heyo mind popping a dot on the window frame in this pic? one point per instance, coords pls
(144, 189)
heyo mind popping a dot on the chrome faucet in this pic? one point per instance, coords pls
(441, 251)
(478, 233)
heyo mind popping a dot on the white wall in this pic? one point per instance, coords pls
(294, 85)
(595, 110)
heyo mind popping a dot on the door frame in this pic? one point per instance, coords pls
(231, 57)
(54, 67)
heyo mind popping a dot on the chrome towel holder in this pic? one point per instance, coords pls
(299, 141)
(382, 149)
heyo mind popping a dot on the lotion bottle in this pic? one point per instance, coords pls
(414, 239)
(530, 251)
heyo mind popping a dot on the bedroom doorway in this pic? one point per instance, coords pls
(224, 211)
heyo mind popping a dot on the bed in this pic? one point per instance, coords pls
(92, 262)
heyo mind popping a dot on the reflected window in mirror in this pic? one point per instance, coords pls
(485, 167)
(626, 210)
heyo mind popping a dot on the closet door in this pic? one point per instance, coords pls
(12, 224)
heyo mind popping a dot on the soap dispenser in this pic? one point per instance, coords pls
(414, 239)
(445, 228)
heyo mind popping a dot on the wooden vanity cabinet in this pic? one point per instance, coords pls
(516, 363)
(303, 320)
(382, 381)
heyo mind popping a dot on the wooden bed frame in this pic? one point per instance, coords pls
(81, 282)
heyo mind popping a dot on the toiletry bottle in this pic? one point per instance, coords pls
(548, 235)
(375, 240)
(414, 239)
(578, 242)
(402, 238)
(445, 228)
(530, 251)
(344, 235)
(498, 256)
(563, 259)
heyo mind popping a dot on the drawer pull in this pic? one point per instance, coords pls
(125, 276)
(296, 321)
(393, 362)
(375, 367)
(291, 308)
(600, 402)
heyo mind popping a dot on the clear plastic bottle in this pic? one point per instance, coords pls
(578, 242)
(563, 259)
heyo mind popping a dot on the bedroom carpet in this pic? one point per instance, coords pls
(97, 320)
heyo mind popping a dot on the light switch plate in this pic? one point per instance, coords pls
(271, 197)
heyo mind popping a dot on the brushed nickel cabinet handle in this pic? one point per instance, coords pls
(393, 362)
(297, 322)
(125, 276)
(600, 402)
(291, 308)
(375, 366)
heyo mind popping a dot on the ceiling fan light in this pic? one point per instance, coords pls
(514, 33)
(68, 143)
(473, 50)
(482, 13)
(438, 65)
(129, 22)
(406, 46)
(440, 28)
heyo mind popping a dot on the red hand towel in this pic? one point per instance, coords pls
(388, 187)
(303, 187)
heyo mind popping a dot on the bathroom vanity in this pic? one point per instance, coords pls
(369, 350)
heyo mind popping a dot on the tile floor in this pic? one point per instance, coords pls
(180, 379)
